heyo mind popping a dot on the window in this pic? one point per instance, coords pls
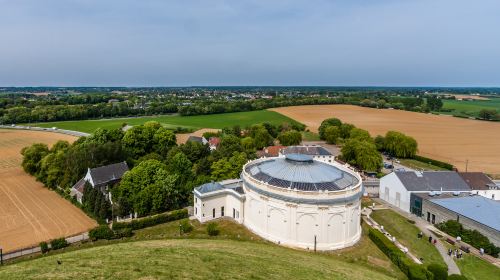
(196, 210)
(213, 213)
(234, 213)
(222, 211)
(433, 218)
(195, 200)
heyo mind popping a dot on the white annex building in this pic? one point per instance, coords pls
(291, 200)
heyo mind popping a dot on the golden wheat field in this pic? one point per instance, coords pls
(29, 212)
(445, 138)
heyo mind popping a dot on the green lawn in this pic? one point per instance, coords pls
(475, 268)
(470, 108)
(234, 254)
(193, 122)
(418, 165)
(406, 233)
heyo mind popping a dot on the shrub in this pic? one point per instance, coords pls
(44, 247)
(58, 243)
(101, 232)
(212, 229)
(153, 220)
(438, 163)
(124, 232)
(186, 226)
(456, 277)
(412, 270)
(472, 237)
(440, 272)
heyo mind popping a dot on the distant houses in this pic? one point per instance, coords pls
(101, 178)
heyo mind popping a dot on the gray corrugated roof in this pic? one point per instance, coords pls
(432, 181)
(209, 187)
(483, 210)
(108, 173)
(307, 150)
(301, 175)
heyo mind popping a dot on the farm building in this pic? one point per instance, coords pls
(315, 151)
(397, 187)
(481, 184)
(201, 140)
(270, 151)
(472, 211)
(292, 200)
(101, 178)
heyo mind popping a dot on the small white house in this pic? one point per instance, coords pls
(397, 187)
(481, 184)
(219, 199)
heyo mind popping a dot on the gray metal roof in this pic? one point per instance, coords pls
(108, 173)
(306, 150)
(302, 173)
(432, 181)
(480, 209)
(209, 187)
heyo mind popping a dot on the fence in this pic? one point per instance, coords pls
(36, 249)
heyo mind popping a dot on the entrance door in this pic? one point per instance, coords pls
(428, 216)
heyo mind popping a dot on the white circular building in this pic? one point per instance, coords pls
(293, 200)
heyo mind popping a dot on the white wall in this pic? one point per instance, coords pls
(204, 206)
(391, 189)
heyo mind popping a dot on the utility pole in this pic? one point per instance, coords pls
(466, 164)
(1, 256)
(314, 243)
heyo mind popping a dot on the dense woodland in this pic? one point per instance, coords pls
(163, 174)
(24, 106)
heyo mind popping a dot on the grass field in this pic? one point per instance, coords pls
(160, 253)
(470, 108)
(418, 165)
(406, 233)
(475, 268)
(29, 212)
(193, 122)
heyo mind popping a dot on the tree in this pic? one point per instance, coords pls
(360, 134)
(326, 123)
(228, 145)
(163, 140)
(400, 145)
(488, 114)
(228, 168)
(332, 134)
(362, 154)
(261, 136)
(434, 103)
(345, 130)
(149, 188)
(379, 142)
(289, 138)
(32, 156)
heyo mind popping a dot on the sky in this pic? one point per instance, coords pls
(231, 43)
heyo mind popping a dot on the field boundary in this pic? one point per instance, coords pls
(36, 128)
(36, 249)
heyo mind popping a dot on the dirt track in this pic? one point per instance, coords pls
(446, 138)
(29, 212)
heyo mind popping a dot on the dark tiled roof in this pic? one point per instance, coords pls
(195, 139)
(307, 150)
(477, 180)
(108, 173)
(432, 181)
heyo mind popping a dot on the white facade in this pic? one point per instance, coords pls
(394, 192)
(320, 219)
(491, 194)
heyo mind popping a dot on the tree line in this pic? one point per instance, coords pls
(162, 175)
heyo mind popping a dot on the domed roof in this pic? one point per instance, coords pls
(301, 172)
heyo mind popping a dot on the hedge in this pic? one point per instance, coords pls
(410, 269)
(101, 232)
(153, 220)
(437, 163)
(58, 243)
(457, 277)
(44, 247)
(440, 272)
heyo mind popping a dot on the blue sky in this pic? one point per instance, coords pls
(273, 42)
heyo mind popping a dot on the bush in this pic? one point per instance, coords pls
(412, 270)
(186, 226)
(440, 272)
(124, 232)
(212, 229)
(58, 243)
(434, 162)
(456, 277)
(101, 232)
(472, 237)
(44, 247)
(153, 220)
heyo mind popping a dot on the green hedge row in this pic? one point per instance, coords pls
(412, 270)
(104, 232)
(153, 220)
(437, 163)
(472, 237)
